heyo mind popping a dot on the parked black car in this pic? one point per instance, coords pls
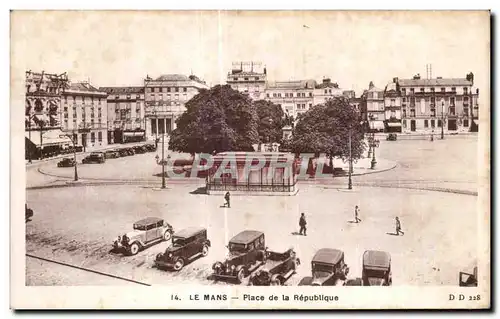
(111, 154)
(247, 252)
(95, 157)
(66, 162)
(140, 149)
(150, 147)
(187, 244)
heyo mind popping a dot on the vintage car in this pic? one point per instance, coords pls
(94, 157)
(28, 212)
(278, 268)
(392, 137)
(66, 162)
(111, 154)
(187, 244)
(139, 149)
(468, 277)
(376, 268)
(147, 232)
(247, 252)
(150, 147)
(328, 269)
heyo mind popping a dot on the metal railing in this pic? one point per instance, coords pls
(275, 186)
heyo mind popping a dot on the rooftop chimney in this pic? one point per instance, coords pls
(371, 85)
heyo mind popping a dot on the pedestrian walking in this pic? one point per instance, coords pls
(398, 227)
(356, 214)
(302, 224)
(227, 197)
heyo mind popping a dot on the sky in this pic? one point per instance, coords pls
(352, 48)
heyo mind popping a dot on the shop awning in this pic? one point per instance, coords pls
(393, 124)
(132, 134)
(49, 137)
(377, 125)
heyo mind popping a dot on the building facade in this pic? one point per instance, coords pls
(248, 78)
(325, 91)
(84, 115)
(375, 110)
(43, 113)
(392, 107)
(126, 120)
(295, 97)
(165, 99)
(435, 105)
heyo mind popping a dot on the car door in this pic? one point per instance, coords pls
(150, 232)
(189, 248)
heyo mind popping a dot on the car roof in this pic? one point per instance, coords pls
(189, 232)
(148, 221)
(328, 256)
(246, 236)
(376, 259)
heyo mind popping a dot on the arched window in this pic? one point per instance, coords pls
(38, 106)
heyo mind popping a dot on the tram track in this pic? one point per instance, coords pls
(87, 270)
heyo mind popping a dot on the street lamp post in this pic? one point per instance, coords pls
(349, 185)
(374, 143)
(163, 161)
(72, 138)
(442, 120)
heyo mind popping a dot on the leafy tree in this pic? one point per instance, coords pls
(271, 121)
(219, 119)
(325, 129)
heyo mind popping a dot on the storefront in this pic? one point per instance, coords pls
(45, 143)
(393, 127)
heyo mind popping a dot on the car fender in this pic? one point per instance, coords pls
(240, 267)
(208, 243)
(136, 241)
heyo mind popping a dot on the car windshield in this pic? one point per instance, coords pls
(237, 247)
(322, 267)
(374, 273)
(178, 241)
(139, 227)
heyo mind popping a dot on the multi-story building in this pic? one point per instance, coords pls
(448, 105)
(392, 107)
(125, 108)
(325, 91)
(43, 113)
(295, 97)
(374, 108)
(248, 78)
(84, 114)
(165, 99)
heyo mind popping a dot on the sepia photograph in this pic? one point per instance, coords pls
(193, 159)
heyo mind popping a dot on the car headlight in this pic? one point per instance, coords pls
(233, 267)
(170, 255)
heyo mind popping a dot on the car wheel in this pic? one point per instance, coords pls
(179, 264)
(167, 235)
(275, 281)
(204, 251)
(240, 275)
(134, 249)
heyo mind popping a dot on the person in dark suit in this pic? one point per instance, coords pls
(227, 197)
(302, 224)
(398, 227)
(356, 214)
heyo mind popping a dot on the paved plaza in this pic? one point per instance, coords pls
(78, 224)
